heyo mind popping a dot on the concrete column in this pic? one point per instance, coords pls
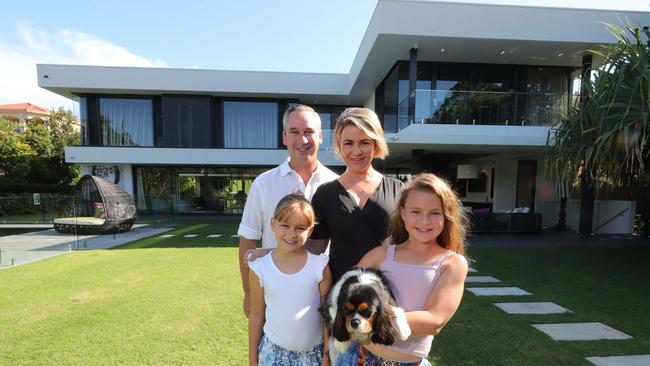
(505, 185)
(413, 76)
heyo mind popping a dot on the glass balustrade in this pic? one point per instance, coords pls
(483, 108)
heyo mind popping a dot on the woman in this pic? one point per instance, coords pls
(353, 211)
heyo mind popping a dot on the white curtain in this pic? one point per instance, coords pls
(250, 125)
(126, 122)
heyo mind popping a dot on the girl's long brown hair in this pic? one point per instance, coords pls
(454, 231)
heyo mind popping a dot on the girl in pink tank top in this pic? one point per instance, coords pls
(426, 266)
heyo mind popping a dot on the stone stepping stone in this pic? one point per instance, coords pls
(190, 236)
(471, 270)
(167, 236)
(214, 235)
(634, 360)
(481, 279)
(498, 291)
(580, 331)
(234, 236)
(531, 308)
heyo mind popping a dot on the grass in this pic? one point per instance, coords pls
(178, 301)
(599, 284)
(152, 302)
(30, 218)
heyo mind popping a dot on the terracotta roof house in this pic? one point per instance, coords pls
(22, 112)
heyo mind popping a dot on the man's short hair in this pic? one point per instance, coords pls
(298, 108)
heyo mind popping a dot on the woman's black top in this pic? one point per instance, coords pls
(352, 230)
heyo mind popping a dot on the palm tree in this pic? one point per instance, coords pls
(604, 140)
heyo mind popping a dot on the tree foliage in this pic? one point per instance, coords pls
(36, 155)
(607, 135)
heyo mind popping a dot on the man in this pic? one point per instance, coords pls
(302, 172)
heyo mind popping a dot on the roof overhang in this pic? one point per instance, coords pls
(481, 33)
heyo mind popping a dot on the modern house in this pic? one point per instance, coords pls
(468, 91)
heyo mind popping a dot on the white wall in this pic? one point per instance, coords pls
(126, 175)
(606, 210)
(153, 156)
(472, 135)
(603, 211)
(505, 185)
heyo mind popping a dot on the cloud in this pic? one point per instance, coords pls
(64, 46)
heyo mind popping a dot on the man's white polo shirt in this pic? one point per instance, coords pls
(265, 193)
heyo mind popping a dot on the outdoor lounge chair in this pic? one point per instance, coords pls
(97, 207)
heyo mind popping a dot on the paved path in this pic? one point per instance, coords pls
(29, 247)
(577, 331)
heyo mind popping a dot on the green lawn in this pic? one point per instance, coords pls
(30, 218)
(599, 284)
(178, 301)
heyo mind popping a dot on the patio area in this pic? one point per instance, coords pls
(33, 246)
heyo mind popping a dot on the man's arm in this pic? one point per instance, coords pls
(244, 246)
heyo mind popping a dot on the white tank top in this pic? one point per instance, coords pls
(293, 321)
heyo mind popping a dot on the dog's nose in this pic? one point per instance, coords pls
(354, 323)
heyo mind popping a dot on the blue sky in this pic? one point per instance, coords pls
(279, 35)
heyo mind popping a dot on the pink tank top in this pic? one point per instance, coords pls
(411, 285)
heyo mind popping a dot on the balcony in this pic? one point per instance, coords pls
(460, 107)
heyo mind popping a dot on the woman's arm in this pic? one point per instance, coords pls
(256, 317)
(443, 301)
(324, 287)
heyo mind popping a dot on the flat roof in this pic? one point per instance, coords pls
(468, 32)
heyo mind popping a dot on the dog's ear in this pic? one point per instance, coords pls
(339, 328)
(384, 327)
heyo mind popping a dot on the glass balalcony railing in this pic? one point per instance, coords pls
(480, 108)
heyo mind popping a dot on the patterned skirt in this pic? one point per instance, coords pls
(270, 354)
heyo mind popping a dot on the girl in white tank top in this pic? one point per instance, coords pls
(287, 289)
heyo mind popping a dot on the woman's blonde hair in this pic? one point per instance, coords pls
(295, 204)
(367, 121)
(454, 230)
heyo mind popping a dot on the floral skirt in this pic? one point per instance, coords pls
(270, 354)
(351, 358)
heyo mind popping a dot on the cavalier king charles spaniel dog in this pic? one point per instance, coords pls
(361, 308)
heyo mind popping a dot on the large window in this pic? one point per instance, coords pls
(187, 122)
(250, 124)
(463, 93)
(83, 121)
(126, 122)
(328, 116)
(190, 190)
